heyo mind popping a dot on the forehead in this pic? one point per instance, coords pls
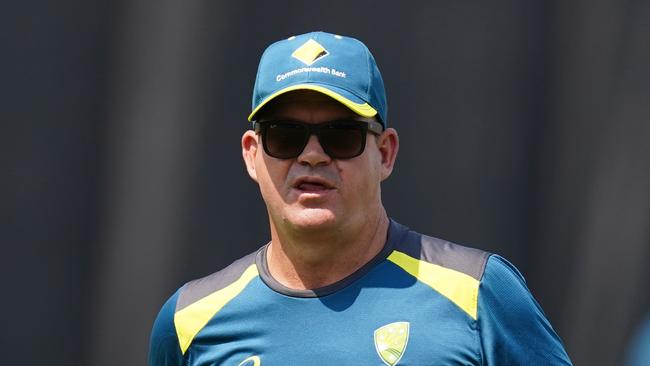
(308, 106)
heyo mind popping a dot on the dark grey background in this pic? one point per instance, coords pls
(524, 128)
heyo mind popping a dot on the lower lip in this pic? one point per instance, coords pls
(313, 192)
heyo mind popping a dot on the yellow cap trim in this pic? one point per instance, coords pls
(364, 110)
(458, 287)
(190, 320)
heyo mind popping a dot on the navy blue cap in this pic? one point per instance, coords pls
(340, 67)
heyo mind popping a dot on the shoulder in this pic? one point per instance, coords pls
(504, 289)
(504, 292)
(163, 343)
(198, 289)
(455, 271)
(509, 310)
(460, 258)
(188, 310)
(489, 289)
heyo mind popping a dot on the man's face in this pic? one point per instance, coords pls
(314, 191)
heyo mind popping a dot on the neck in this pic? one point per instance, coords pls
(309, 260)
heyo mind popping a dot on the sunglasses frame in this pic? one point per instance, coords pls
(315, 129)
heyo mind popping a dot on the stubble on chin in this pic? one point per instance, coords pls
(306, 219)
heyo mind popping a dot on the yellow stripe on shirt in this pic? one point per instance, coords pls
(191, 319)
(458, 287)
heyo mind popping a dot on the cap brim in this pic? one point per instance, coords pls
(344, 97)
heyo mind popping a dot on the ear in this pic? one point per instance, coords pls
(249, 145)
(388, 144)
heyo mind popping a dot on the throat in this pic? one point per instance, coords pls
(303, 265)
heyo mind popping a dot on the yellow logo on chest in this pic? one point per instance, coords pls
(391, 340)
(251, 361)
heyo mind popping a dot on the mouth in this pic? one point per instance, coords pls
(312, 185)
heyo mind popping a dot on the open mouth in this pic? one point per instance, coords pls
(309, 187)
(312, 185)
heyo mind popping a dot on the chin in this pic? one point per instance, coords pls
(312, 219)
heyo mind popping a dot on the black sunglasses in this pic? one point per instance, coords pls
(340, 139)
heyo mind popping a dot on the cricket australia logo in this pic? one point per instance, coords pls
(390, 342)
(310, 52)
(251, 361)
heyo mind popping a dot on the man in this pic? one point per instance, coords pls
(340, 283)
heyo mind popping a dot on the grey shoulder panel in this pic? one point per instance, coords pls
(460, 258)
(202, 287)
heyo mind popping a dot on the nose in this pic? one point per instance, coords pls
(313, 154)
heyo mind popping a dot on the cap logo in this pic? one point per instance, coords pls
(310, 52)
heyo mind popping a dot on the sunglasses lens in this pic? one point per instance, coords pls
(342, 141)
(339, 140)
(285, 140)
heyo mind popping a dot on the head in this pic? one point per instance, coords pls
(334, 181)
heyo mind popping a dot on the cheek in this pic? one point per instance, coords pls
(271, 174)
(361, 178)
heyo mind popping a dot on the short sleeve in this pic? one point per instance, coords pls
(164, 349)
(513, 327)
